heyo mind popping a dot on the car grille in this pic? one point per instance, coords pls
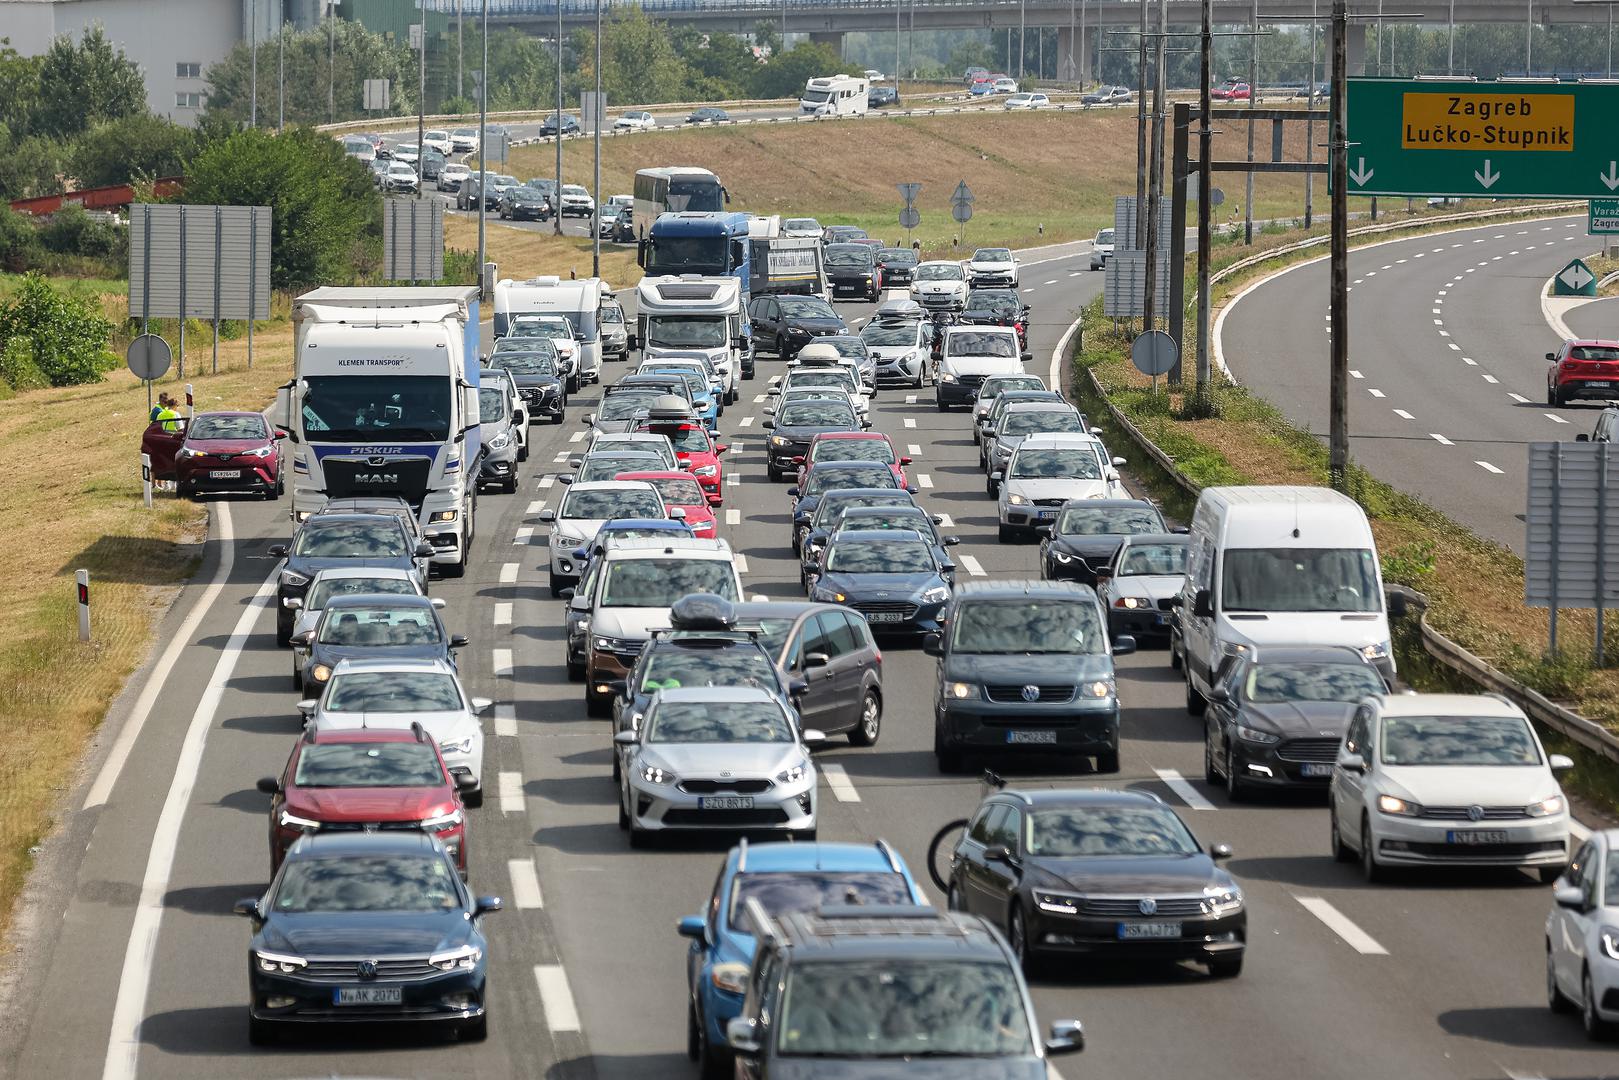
(1467, 852)
(1129, 907)
(368, 826)
(904, 609)
(1009, 693)
(740, 787)
(1319, 751)
(1049, 502)
(971, 382)
(399, 970)
(1462, 813)
(736, 819)
(937, 299)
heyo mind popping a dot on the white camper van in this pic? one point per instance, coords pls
(1274, 566)
(579, 301)
(835, 95)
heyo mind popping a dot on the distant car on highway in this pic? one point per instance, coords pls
(1106, 95)
(577, 201)
(982, 87)
(879, 96)
(852, 270)
(785, 323)
(1231, 91)
(523, 202)
(1147, 570)
(464, 141)
(326, 540)
(346, 581)
(708, 114)
(894, 577)
(451, 177)
(801, 227)
(439, 140)
(991, 267)
(1582, 936)
(1101, 249)
(1005, 85)
(1027, 101)
(399, 178)
(1085, 535)
(396, 626)
(568, 124)
(1045, 472)
(224, 452)
(974, 74)
(1607, 427)
(842, 234)
(1583, 368)
(635, 121)
(874, 75)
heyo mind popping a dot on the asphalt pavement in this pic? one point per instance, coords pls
(134, 964)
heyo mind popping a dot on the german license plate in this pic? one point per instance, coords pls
(368, 995)
(224, 474)
(1148, 931)
(884, 616)
(1049, 737)
(725, 802)
(1476, 836)
(1315, 769)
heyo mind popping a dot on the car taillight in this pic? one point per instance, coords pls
(879, 656)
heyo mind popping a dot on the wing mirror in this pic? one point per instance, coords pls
(1202, 607)
(481, 705)
(293, 603)
(905, 460)
(1582, 437)
(933, 645)
(951, 541)
(693, 926)
(1569, 896)
(812, 738)
(548, 516)
(465, 782)
(303, 640)
(487, 905)
(278, 550)
(1349, 761)
(1560, 763)
(250, 908)
(1124, 645)
(458, 641)
(627, 738)
(1000, 853)
(1067, 1037)
(816, 660)
(1219, 695)
(739, 1033)
(424, 550)
(268, 785)
(1220, 852)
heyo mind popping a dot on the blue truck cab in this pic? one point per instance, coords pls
(711, 244)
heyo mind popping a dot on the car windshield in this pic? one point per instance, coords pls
(1030, 421)
(626, 403)
(632, 442)
(608, 466)
(546, 326)
(612, 315)
(834, 503)
(808, 890)
(1458, 740)
(351, 540)
(802, 223)
(671, 667)
(855, 450)
(938, 272)
(879, 557)
(378, 627)
(994, 388)
(229, 427)
(658, 583)
(816, 414)
(850, 348)
(1272, 683)
(612, 503)
(862, 475)
(348, 765)
(491, 404)
(327, 587)
(1299, 579)
(341, 408)
(896, 257)
(836, 378)
(1108, 831)
(888, 334)
(540, 360)
(981, 343)
(1110, 521)
(1028, 626)
(1105, 236)
(1147, 559)
(717, 722)
(903, 1008)
(1594, 352)
(993, 303)
(351, 882)
(685, 331)
(994, 255)
(899, 517)
(681, 491)
(1043, 464)
(848, 256)
(687, 439)
(393, 691)
(806, 307)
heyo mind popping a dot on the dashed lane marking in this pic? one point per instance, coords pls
(524, 535)
(525, 884)
(503, 613)
(838, 780)
(556, 1000)
(746, 421)
(1355, 374)
(758, 398)
(561, 457)
(1183, 790)
(740, 561)
(508, 573)
(547, 481)
(1487, 467)
(923, 480)
(501, 665)
(1519, 398)
(910, 399)
(1491, 379)
(1469, 361)
(1342, 925)
(913, 449)
(733, 517)
(1554, 418)
(578, 436)
(910, 421)
(1441, 439)
(1374, 391)
(506, 720)
(946, 522)
(509, 790)
(974, 567)
(1403, 415)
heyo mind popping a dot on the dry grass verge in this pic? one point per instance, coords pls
(524, 253)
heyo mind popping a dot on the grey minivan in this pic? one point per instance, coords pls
(830, 647)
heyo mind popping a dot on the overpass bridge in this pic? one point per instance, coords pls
(1075, 20)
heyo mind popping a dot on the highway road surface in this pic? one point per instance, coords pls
(134, 964)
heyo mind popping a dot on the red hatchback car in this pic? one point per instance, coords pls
(692, 444)
(365, 779)
(218, 451)
(853, 446)
(1583, 368)
(681, 489)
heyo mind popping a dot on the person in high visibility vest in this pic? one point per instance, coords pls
(163, 401)
(169, 418)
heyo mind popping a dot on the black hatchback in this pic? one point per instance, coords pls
(534, 372)
(329, 540)
(851, 270)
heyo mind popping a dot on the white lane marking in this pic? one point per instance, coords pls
(577, 436)
(1444, 333)
(923, 480)
(1470, 269)
(1487, 467)
(974, 567)
(1509, 253)
(1386, 266)
(910, 422)
(740, 561)
(509, 789)
(838, 780)
(1374, 391)
(1489, 378)
(733, 517)
(1554, 418)
(1519, 398)
(563, 456)
(536, 506)
(1441, 439)
(945, 522)
(524, 535)
(1438, 311)
(1454, 346)
(910, 399)
(506, 720)
(1469, 361)
(508, 573)
(1357, 281)
(556, 1000)
(1184, 791)
(502, 663)
(101, 790)
(1371, 273)
(758, 398)
(547, 481)
(525, 884)
(1397, 262)
(1438, 322)
(746, 421)
(734, 477)
(124, 1039)
(1340, 924)
(913, 450)
(1078, 273)
(1444, 292)
(503, 613)
(1355, 374)
(1403, 415)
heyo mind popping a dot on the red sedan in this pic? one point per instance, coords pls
(218, 452)
(853, 446)
(679, 489)
(365, 778)
(693, 445)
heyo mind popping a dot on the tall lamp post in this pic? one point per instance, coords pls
(556, 132)
(597, 114)
(253, 55)
(483, 136)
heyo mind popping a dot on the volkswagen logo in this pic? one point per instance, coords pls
(366, 969)
(1475, 813)
(1031, 693)
(1148, 906)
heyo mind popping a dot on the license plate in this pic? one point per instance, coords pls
(1049, 737)
(1604, 385)
(368, 995)
(884, 616)
(725, 802)
(1148, 931)
(1476, 836)
(1047, 515)
(1315, 770)
(1161, 619)
(224, 474)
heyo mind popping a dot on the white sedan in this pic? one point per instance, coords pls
(635, 121)
(1005, 86)
(1027, 101)
(1582, 936)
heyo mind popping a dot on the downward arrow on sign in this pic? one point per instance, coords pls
(1360, 173)
(1486, 178)
(1612, 177)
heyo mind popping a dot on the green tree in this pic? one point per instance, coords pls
(323, 202)
(720, 65)
(68, 334)
(29, 166)
(639, 62)
(314, 65)
(86, 84)
(141, 145)
(72, 231)
(19, 240)
(786, 74)
(19, 88)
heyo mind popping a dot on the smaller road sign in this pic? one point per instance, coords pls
(149, 357)
(962, 212)
(909, 192)
(1575, 279)
(962, 196)
(1153, 353)
(1604, 217)
(910, 218)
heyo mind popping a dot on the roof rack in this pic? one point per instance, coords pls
(764, 926)
(888, 853)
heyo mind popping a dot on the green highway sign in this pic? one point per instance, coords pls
(1575, 279)
(1502, 140)
(1604, 217)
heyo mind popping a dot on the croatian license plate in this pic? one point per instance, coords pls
(1476, 836)
(224, 474)
(1593, 385)
(725, 802)
(883, 616)
(368, 995)
(1315, 770)
(1048, 737)
(1148, 931)
(1047, 515)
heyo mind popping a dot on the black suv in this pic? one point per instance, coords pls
(1025, 666)
(859, 990)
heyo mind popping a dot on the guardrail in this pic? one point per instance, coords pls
(523, 115)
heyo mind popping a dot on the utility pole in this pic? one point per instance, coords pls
(1073, 71)
(1450, 52)
(281, 75)
(421, 107)
(253, 55)
(483, 136)
(460, 54)
(1529, 38)
(597, 115)
(1140, 238)
(899, 9)
(556, 206)
(1338, 302)
(1205, 150)
(1155, 183)
(331, 62)
(1022, 24)
(1309, 125)
(1253, 96)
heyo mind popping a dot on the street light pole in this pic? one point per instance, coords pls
(1450, 55)
(1205, 149)
(1253, 95)
(1338, 301)
(421, 105)
(1140, 239)
(331, 63)
(597, 115)
(483, 135)
(460, 52)
(1022, 24)
(1529, 38)
(556, 134)
(1309, 123)
(253, 55)
(1155, 182)
(281, 75)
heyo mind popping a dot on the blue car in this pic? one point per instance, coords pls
(784, 878)
(703, 401)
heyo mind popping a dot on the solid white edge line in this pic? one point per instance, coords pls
(1342, 925)
(842, 787)
(555, 998)
(129, 1007)
(101, 790)
(506, 720)
(509, 789)
(526, 894)
(1183, 790)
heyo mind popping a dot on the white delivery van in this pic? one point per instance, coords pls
(1278, 566)
(578, 300)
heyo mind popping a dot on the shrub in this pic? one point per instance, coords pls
(17, 366)
(72, 231)
(19, 240)
(68, 334)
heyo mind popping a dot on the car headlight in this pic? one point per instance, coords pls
(444, 821)
(793, 773)
(1545, 807)
(1133, 603)
(439, 517)
(1062, 557)
(277, 963)
(936, 595)
(1016, 500)
(1388, 804)
(960, 690)
(292, 577)
(463, 959)
(1223, 899)
(652, 774)
(1057, 903)
(501, 441)
(777, 440)
(186, 452)
(293, 821)
(462, 745)
(1254, 735)
(1233, 648)
(799, 330)
(706, 470)
(1610, 942)
(1100, 688)
(1380, 651)
(604, 643)
(320, 672)
(732, 978)
(260, 452)
(946, 377)
(829, 596)
(565, 541)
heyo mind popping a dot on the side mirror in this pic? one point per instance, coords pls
(465, 782)
(792, 493)
(487, 905)
(1103, 573)
(933, 644)
(1582, 437)
(998, 475)
(798, 459)
(567, 594)
(816, 660)
(1569, 896)
(627, 738)
(693, 926)
(1119, 461)
(249, 907)
(278, 550)
(1219, 695)
(768, 425)
(721, 448)
(307, 706)
(951, 541)
(1220, 852)
(618, 687)
(439, 603)
(905, 460)
(548, 516)
(564, 478)
(576, 462)
(770, 410)
(1124, 645)
(739, 1033)
(303, 640)
(1026, 357)
(677, 514)
(1000, 853)
(1552, 357)
(458, 640)
(1351, 762)
(293, 603)
(796, 687)
(424, 550)
(581, 553)
(812, 738)
(282, 433)
(589, 420)
(1067, 1037)
(481, 705)
(1560, 763)
(268, 785)
(1201, 605)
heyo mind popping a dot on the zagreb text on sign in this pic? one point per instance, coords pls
(1445, 121)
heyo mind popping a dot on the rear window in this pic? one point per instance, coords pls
(348, 765)
(1594, 352)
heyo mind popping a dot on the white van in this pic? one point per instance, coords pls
(1277, 566)
(578, 300)
(835, 95)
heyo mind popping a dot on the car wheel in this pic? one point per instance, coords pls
(1195, 702)
(1556, 1000)
(1596, 1028)
(781, 347)
(260, 1032)
(297, 679)
(473, 798)
(1174, 655)
(1234, 789)
(557, 419)
(623, 814)
(1211, 775)
(949, 760)
(1340, 852)
(474, 1030)
(459, 567)
(280, 485)
(597, 705)
(1370, 868)
(992, 488)
(576, 670)
(1226, 967)
(510, 486)
(773, 473)
(870, 726)
(939, 401)
(1551, 396)
(1108, 761)
(1018, 938)
(1005, 534)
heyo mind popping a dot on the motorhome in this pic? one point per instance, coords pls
(835, 95)
(690, 315)
(578, 300)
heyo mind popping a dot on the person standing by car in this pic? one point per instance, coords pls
(166, 414)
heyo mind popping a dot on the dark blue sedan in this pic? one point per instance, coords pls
(892, 577)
